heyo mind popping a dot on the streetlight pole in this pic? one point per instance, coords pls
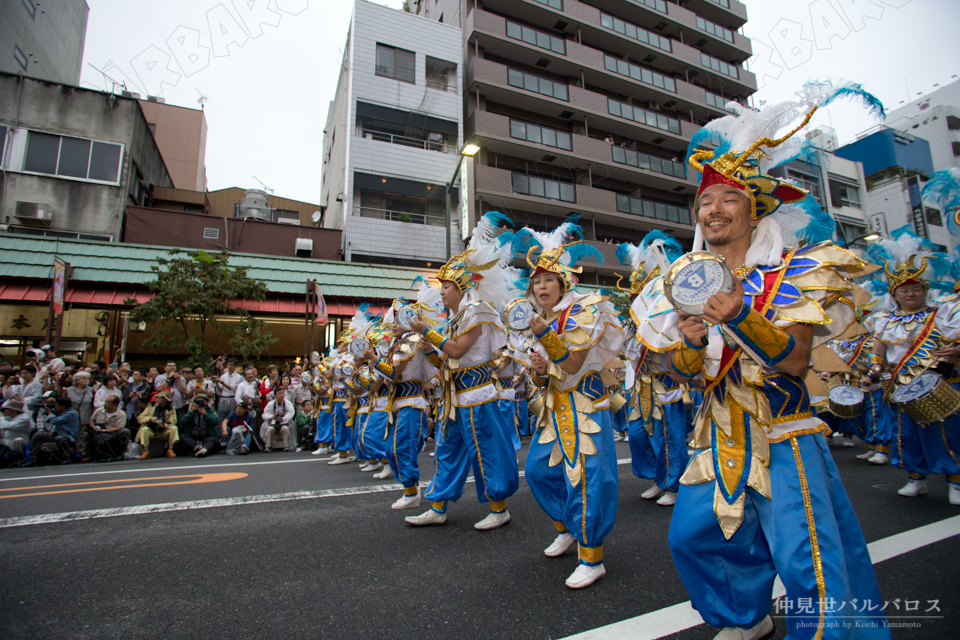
(470, 149)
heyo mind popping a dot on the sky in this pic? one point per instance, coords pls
(268, 82)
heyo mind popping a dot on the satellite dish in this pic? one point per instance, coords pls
(316, 216)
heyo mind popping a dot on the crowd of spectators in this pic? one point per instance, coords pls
(54, 411)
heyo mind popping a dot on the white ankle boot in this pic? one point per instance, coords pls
(914, 488)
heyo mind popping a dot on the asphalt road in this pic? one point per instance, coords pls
(318, 553)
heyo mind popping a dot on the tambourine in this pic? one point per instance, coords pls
(406, 316)
(358, 346)
(337, 371)
(306, 378)
(694, 278)
(519, 312)
(315, 358)
(347, 369)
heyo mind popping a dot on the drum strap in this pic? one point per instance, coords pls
(917, 343)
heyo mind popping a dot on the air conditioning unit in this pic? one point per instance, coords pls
(137, 327)
(304, 247)
(130, 94)
(293, 221)
(157, 99)
(34, 213)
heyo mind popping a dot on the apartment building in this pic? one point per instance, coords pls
(43, 42)
(588, 107)
(392, 139)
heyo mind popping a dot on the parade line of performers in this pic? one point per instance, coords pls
(726, 411)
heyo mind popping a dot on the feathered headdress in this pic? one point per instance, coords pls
(943, 190)
(745, 154)
(483, 271)
(359, 323)
(428, 303)
(906, 257)
(656, 253)
(556, 252)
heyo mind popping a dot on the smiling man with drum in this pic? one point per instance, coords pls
(761, 496)
(909, 342)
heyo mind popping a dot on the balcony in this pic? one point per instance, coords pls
(495, 135)
(495, 186)
(414, 143)
(727, 12)
(397, 234)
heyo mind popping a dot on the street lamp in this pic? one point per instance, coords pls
(870, 237)
(469, 149)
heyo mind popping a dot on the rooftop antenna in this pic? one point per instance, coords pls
(264, 185)
(202, 99)
(107, 78)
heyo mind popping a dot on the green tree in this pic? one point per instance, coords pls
(190, 291)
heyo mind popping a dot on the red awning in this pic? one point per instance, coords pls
(113, 296)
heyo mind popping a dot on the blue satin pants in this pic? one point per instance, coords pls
(810, 538)
(324, 428)
(404, 439)
(643, 456)
(524, 419)
(931, 448)
(668, 446)
(873, 425)
(342, 437)
(372, 435)
(508, 409)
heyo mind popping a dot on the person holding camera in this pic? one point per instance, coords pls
(237, 429)
(158, 421)
(198, 428)
(201, 386)
(106, 437)
(62, 429)
(227, 382)
(277, 419)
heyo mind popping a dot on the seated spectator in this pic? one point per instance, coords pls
(109, 388)
(158, 421)
(198, 428)
(136, 396)
(81, 394)
(30, 388)
(15, 428)
(107, 436)
(238, 427)
(306, 424)
(62, 429)
(277, 419)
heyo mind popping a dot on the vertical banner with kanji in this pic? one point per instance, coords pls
(321, 308)
(59, 278)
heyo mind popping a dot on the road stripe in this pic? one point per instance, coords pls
(679, 617)
(71, 516)
(164, 481)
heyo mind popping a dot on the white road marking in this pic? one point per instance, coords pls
(72, 516)
(677, 618)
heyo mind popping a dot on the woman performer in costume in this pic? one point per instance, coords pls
(658, 420)
(762, 497)
(324, 407)
(572, 462)
(372, 431)
(470, 429)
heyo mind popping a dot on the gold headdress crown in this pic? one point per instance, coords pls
(459, 271)
(904, 272)
(638, 279)
(550, 261)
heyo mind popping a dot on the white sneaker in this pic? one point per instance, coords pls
(914, 488)
(667, 499)
(559, 546)
(386, 473)
(848, 441)
(493, 521)
(364, 466)
(868, 454)
(376, 466)
(880, 458)
(320, 451)
(954, 493)
(408, 502)
(651, 493)
(584, 576)
(618, 438)
(764, 629)
(626, 438)
(339, 460)
(426, 518)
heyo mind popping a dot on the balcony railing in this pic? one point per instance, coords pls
(443, 85)
(416, 143)
(400, 216)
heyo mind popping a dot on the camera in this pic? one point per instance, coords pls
(200, 404)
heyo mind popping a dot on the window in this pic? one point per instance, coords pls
(31, 8)
(642, 116)
(720, 66)
(651, 209)
(441, 74)
(398, 64)
(640, 74)
(810, 183)
(723, 3)
(658, 5)
(642, 160)
(718, 101)
(211, 233)
(73, 157)
(52, 233)
(3, 143)
(400, 208)
(933, 217)
(530, 82)
(536, 38)
(844, 195)
(20, 57)
(540, 135)
(553, 4)
(153, 129)
(550, 189)
(637, 33)
(714, 29)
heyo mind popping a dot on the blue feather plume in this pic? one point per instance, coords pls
(943, 190)
(821, 226)
(855, 90)
(671, 248)
(583, 251)
(623, 253)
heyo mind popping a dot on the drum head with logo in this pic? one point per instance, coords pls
(694, 278)
(406, 316)
(917, 389)
(346, 370)
(519, 313)
(846, 395)
(358, 346)
(315, 357)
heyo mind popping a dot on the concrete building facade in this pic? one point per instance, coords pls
(392, 138)
(588, 107)
(44, 42)
(181, 135)
(73, 159)
(934, 117)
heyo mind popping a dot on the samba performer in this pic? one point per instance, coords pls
(761, 496)
(406, 367)
(522, 389)
(325, 395)
(470, 429)
(372, 429)
(572, 461)
(658, 420)
(916, 346)
(343, 404)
